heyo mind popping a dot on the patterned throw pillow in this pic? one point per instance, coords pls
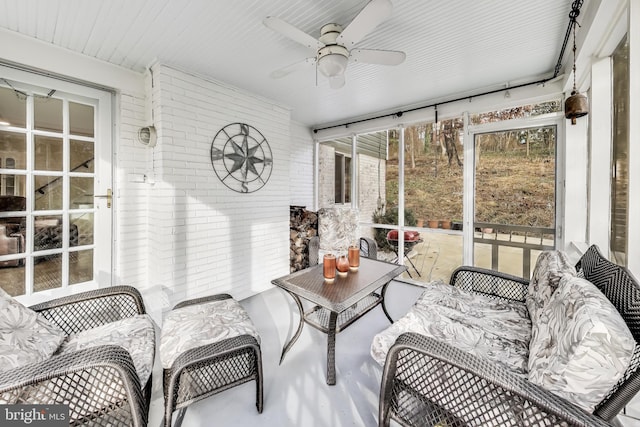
(582, 346)
(337, 228)
(550, 267)
(25, 336)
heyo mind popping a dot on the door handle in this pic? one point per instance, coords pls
(107, 196)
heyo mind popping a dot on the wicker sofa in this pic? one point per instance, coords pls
(576, 365)
(93, 351)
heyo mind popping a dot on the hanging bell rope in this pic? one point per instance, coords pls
(577, 104)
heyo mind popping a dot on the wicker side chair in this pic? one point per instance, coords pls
(429, 383)
(337, 230)
(100, 383)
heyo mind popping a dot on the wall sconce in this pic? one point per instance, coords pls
(147, 136)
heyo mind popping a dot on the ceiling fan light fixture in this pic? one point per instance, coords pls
(333, 64)
(333, 60)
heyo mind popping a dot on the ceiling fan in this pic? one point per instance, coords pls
(335, 47)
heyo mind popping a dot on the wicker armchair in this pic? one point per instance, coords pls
(100, 384)
(337, 230)
(429, 383)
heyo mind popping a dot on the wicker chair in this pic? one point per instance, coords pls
(100, 384)
(474, 391)
(337, 230)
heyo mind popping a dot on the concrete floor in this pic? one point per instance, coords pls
(296, 393)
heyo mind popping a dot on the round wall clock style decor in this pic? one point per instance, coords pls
(241, 157)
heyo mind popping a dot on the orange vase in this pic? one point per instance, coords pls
(342, 265)
(329, 268)
(354, 258)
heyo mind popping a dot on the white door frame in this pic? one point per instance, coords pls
(555, 119)
(103, 174)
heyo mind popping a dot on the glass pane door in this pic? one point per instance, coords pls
(515, 176)
(49, 178)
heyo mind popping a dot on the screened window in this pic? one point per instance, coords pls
(620, 159)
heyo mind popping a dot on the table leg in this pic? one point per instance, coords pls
(295, 336)
(180, 417)
(384, 307)
(331, 349)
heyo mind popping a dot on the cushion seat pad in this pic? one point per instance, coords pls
(492, 329)
(196, 325)
(135, 334)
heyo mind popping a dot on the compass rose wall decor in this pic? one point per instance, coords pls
(241, 157)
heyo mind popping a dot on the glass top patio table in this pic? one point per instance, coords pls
(338, 304)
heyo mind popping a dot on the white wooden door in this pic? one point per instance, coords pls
(55, 150)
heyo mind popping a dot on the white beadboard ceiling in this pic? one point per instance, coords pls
(452, 47)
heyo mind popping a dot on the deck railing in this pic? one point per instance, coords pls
(514, 236)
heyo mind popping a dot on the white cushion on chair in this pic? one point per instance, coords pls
(25, 336)
(196, 325)
(135, 334)
(493, 329)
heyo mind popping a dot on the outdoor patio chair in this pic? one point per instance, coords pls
(92, 351)
(337, 230)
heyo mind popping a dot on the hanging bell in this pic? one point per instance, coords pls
(576, 106)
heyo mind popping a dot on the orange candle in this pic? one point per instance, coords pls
(342, 264)
(354, 257)
(329, 267)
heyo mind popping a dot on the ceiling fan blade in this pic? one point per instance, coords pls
(336, 82)
(291, 32)
(373, 14)
(373, 56)
(277, 74)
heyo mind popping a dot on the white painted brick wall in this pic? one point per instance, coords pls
(130, 206)
(368, 181)
(183, 234)
(301, 166)
(371, 185)
(326, 176)
(203, 237)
